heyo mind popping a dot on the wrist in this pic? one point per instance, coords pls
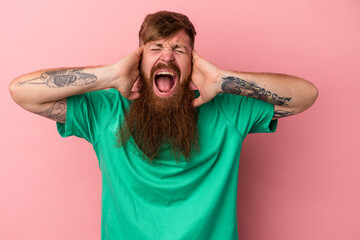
(105, 76)
(108, 75)
(114, 75)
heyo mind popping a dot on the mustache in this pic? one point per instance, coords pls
(170, 65)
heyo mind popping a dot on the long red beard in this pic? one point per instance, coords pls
(154, 122)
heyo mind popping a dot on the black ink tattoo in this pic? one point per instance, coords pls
(238, 86)
(283, 113)
(62, 78)
(56, 112)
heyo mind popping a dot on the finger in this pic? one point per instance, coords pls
(192, 86)
(134, 95)
(135, 87)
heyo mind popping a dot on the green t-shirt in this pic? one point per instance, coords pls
(168, 200)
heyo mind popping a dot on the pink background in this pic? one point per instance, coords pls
(302, 182)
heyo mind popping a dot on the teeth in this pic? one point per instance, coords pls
(165, 73)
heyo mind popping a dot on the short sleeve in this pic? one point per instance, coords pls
(248, 115)
(87, 114)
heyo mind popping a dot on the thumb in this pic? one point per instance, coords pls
(139, 51)
(197, 102)
(135, 87)
(134, 95)
(195, 55)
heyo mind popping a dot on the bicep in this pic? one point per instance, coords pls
(54, 110)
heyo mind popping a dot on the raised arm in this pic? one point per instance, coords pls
(44, 92)
(289, 94)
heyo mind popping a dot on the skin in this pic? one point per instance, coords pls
(44, 92)
(289, 94)
(175, 49)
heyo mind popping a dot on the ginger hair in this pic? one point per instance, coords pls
(165, 24)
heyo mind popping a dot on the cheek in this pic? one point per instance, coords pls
(145, 66)
(187, 69)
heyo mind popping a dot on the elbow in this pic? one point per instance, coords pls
(18, 93)
(314, 93)
(310, 95)
(13, 89)
(24, 96)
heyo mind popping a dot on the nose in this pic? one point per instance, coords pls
(167, 55)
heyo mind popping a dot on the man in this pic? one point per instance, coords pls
(167, 132)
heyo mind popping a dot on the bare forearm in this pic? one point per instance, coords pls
(281, 90)
(38, 88)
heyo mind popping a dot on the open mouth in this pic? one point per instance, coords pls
(165, 82)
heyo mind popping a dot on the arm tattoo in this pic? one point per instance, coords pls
(283, 113)
(56, 112)
(234, 85)
(62, 78)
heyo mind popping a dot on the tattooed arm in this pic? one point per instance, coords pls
(289, 94)
(44, 92)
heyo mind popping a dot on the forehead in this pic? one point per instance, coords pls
(180, 39)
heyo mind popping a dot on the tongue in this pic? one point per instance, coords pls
(164, 83)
